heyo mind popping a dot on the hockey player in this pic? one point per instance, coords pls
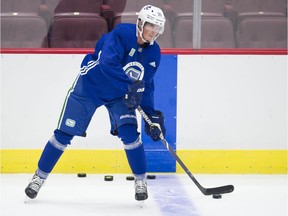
(118, 75)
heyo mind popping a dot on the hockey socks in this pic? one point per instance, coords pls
(136, 158)
(134, 148)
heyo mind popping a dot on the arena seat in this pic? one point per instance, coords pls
(277, 6)
(186, 7)
(23, 31)
(156, 3)
(23, 6)
(118, 6)
(240, 9)
(216, 32)
(259, 8)
(244, 6)
(183, 8)
(213, 6)
(262, 32)
(87, 6)
(128, 8)
(70, 30)
(26, 6)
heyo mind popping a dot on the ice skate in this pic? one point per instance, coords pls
(34, 186)
(141, 193)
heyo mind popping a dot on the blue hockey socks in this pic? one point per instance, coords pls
(134, 149)
(52, 152)
(136, 157)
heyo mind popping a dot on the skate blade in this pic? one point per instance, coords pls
(141, 203)
(26, 199)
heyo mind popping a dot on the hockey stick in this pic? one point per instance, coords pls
(205, 191)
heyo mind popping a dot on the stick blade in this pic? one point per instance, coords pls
(219, 190)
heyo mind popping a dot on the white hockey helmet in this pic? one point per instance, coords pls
(153, 15)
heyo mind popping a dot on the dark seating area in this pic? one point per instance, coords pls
(222, 28)
(23, 30)
(78, 31)
(80, 24)
(262, 32)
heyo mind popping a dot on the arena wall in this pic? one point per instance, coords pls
(226, 112)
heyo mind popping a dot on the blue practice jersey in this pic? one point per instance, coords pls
(117, 62)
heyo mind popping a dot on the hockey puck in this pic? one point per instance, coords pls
(130, 178)
(108, 178)
(81, 175)
(217, 196)
(151, 177)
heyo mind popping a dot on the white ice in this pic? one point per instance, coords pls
(169, 195)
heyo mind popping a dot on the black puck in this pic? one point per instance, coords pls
(130, 178)
(81, 175)
(151, 176)
(217, 196)
(108, 178)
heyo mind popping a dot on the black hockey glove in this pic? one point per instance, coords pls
(154, 131)
(134, 95)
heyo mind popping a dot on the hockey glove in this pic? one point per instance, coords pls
(158, 126)
(134, 95)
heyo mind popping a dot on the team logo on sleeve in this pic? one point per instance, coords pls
(134, 70)
(70, 122)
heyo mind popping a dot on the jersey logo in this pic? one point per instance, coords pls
(141, 90)
(153, 64)
(70, 122)
(134, 70)
(132, 51)
(127, 116)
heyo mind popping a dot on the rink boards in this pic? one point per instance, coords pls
(224, 114)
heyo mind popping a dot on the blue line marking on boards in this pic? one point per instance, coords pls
(171, 196)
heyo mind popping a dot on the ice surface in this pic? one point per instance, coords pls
(169, 195)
